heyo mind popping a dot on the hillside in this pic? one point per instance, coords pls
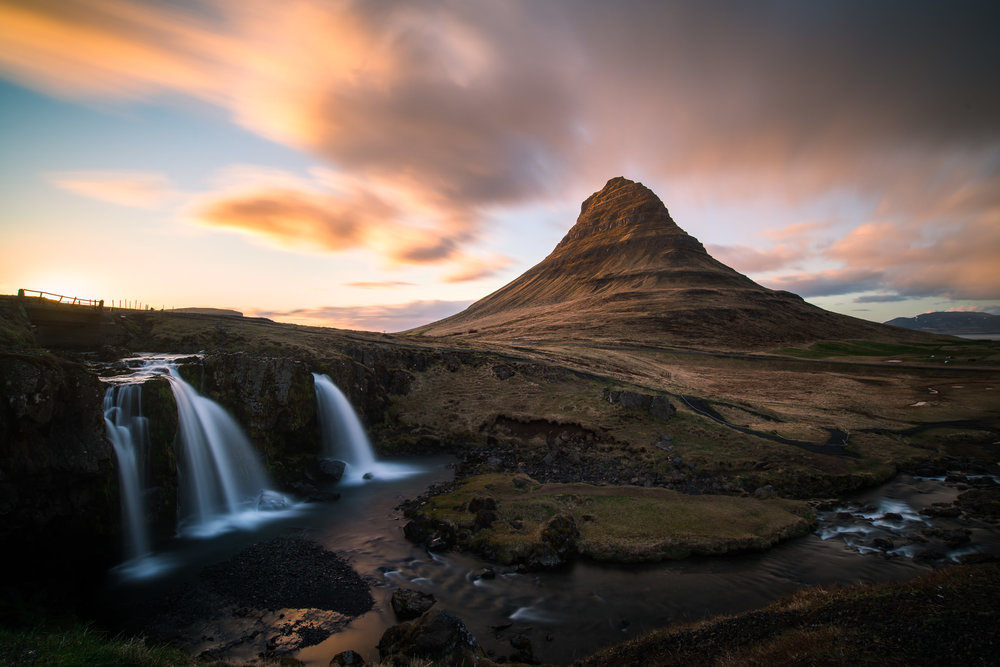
(627, 274)
(957, 323)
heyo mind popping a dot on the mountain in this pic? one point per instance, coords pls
(951, 323)
(627, 274)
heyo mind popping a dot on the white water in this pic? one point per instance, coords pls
(128, 432)
(221, 479)
(222, 484)
(344, 438)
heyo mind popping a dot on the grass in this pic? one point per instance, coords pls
(945, 617)
(928, 353)
(82, 645)
(621, 523)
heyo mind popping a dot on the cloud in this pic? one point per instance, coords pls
(881, 298)
(125, 188)
(827, 283)
(444, 113)
(381, 284)
(295, 217)
(748, 259)
(390, 318)
(476, 268)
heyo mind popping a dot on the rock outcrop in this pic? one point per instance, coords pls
(58, 486)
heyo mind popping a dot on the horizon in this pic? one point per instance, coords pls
(382, 167)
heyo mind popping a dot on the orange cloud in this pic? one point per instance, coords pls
(393, 317)
(139, 189)
(476, 268)
(381, 284)
(444, 113)
(110, 48)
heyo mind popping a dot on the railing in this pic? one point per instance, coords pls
(72, 300)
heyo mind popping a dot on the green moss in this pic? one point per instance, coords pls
(624, 524)
(933, 352)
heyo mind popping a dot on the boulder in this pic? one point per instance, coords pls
(272, 501)
(332, 469)
(347, 658)
(409, 604)
(436, 635)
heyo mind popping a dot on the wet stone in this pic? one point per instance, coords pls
(347, 659)
(409, 604)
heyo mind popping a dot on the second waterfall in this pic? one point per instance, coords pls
(344, 438)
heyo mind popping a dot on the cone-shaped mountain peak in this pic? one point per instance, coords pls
(625, 272)
(622, 210)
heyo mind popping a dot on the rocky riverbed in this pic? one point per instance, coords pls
(271, 599)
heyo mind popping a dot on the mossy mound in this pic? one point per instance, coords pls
(513, 519)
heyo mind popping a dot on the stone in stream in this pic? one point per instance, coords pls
(347, 659)
(333, 469)
(409, 604)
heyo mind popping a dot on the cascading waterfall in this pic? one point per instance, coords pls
(221, 479)
(344, 437)
(128, 431)
(222, 483)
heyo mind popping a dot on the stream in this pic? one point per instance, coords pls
(565, 614)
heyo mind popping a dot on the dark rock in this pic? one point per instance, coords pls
(452, 361)
(952, 538)
(503, 371)
(981, 502)
(435, 535)
(892, 516)
(942, 510)
(764, 492)
(409, 604)
(332, 469)
(523, 650)
(561, 532)
(482, 503)
(930, 555)
(882, 544)
(347, 659)
(484, 519)
(436, 635)
(485, 573)
(368, 475)
(657, 406)
(661, 408)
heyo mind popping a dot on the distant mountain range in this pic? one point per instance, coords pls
(627, 274)
(956, 323)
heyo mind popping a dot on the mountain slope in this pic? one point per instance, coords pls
(626, 273)
(951, 322)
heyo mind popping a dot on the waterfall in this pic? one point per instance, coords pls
(128, 431)
(221, 479)
(344, 437)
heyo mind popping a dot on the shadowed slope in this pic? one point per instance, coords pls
(626, 273)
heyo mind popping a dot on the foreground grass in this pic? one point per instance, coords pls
(616, 523)
(82, 645)
(949, 617)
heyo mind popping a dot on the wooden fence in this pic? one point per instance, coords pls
(60, 298)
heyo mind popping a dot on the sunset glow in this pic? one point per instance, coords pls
(381, 165)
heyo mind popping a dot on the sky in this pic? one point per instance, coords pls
(380, 165)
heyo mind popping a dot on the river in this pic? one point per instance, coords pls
(566, 613)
